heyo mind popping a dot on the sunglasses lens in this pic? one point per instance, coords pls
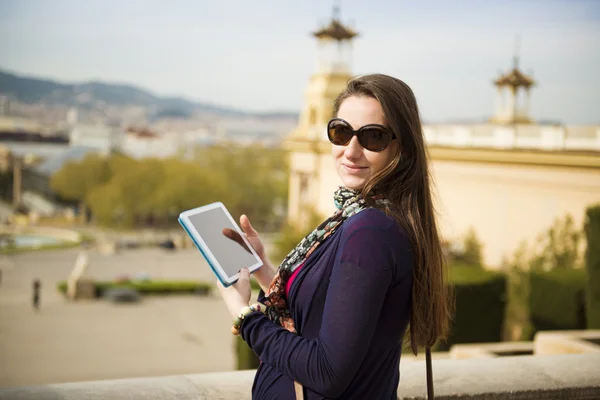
(374, 139)
(339, 133)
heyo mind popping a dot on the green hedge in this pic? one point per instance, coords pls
(246, 358)
(54, 246)
(480, 297)
(150, 287)
(592, 265)
(557, 299)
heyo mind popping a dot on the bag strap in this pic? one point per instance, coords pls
(299, 391)
(429, 373)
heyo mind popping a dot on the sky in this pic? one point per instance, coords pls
(259, 55)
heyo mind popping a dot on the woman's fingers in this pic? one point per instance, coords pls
(247, 226)
(236, 237)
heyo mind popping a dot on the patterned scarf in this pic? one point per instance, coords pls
(348, 203)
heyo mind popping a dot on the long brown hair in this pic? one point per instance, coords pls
(405, 182)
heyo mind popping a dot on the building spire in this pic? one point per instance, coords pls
(335, 30)
(336, 10)
(516, 55)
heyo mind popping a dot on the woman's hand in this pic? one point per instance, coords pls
(237, 296)
(264, 275)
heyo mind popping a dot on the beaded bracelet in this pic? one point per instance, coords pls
(237, 321)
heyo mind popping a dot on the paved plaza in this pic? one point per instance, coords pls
(91, 340)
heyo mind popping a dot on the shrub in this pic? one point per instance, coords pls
(468, 251)
(592, 265)
(480, 304)
(517, 325)
(557, 299)
(150, 287)
(54, 246)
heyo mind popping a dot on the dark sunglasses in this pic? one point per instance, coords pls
(373, 137)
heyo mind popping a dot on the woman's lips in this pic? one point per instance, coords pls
(353, 169)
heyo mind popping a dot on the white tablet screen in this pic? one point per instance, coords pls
(229, 254)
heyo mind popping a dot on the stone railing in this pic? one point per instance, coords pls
(538, 137)
(573, 376)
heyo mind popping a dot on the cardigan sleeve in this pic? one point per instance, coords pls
(363, 271)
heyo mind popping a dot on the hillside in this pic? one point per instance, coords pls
(90, 94)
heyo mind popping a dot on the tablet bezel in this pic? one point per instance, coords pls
(205, 250)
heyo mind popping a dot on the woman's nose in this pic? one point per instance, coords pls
(353, 149)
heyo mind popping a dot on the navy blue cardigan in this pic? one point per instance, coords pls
(351, 305)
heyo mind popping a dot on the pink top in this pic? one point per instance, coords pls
(291, 280)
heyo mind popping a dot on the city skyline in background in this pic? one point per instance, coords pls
(259, 57)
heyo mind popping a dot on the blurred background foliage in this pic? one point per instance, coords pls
(121, 192)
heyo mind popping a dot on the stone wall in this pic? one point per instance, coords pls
(525, 377)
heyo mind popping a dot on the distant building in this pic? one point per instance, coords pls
(19, 124)
(72, 116)
(255, 130)
(145, 143)
(104, 138)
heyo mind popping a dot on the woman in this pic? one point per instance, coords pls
(344, 297)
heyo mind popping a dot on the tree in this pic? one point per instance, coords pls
(105, 203)
(558, 247)
(255, 178)
(472, 249)
(125, 192)
(186, 186)
(77, 178)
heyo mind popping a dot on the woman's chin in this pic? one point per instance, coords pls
(353, 183)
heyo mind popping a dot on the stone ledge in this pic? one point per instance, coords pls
(522, 377)
(567, 342)
(487, 350)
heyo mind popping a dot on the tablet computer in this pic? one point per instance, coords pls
(211, 228)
